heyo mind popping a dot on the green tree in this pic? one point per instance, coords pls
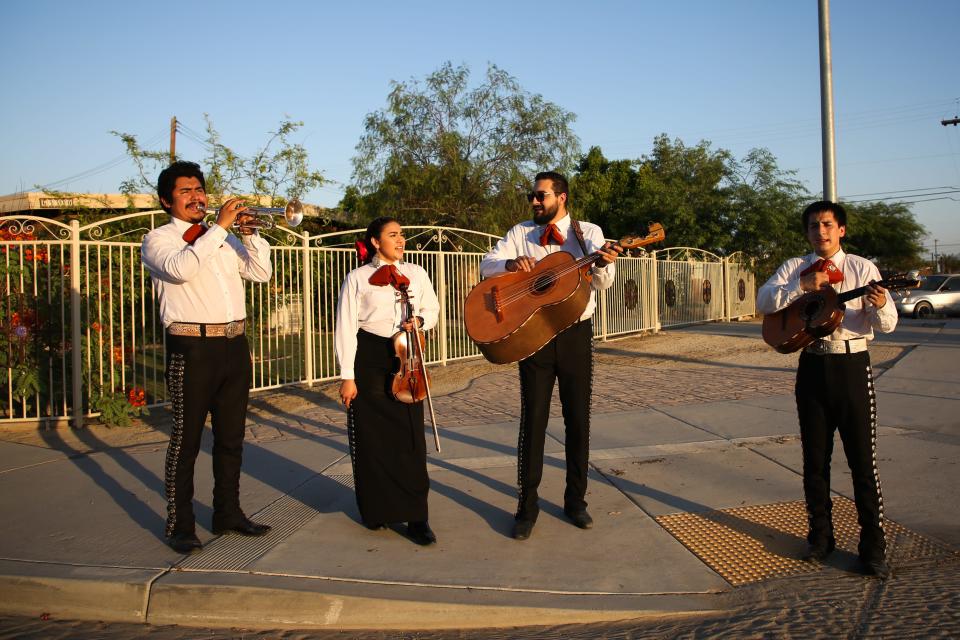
(885, 232)
(442, 152)
(684, 188)
(764, 214)
(277, 172)
(710, 200)
(607, 193)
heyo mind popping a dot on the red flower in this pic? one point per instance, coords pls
(118, 355)
(39, 256)
(26, 319)
(137, 397)
(96, 327)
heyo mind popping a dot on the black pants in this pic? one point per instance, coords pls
(567, 359)
(206, 375)
(387, 445)
(836, 392)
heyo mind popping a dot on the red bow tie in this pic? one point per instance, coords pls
(827, 267)
(389, 274)
(551, 235)
(194, 232)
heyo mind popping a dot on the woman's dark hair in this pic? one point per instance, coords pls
(374, 229)
(822, 206)
(168, 179)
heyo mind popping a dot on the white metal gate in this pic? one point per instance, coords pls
(79, 317)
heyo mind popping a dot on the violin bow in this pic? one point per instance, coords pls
(426, 383)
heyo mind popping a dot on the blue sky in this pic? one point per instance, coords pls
(738, 73)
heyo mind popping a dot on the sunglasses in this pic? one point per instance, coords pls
(539, 196)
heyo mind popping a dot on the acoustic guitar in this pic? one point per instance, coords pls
(816, 314)
(511, 315)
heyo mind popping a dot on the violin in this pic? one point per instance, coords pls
(411, 382)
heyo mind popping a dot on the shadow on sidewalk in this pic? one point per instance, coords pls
(688, 360)
(139, 511)
(775, 541)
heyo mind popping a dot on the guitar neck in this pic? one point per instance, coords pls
(592, 258)
(886, 284)
(587, 260)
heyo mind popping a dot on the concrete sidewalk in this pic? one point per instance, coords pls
(694, 454)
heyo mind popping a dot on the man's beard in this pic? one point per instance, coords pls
(545, 215)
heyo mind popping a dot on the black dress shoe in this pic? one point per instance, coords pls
(580, 518)
(184, 543)
(819, 552)
(522, 528)
(421, 533)
(245, 527)
(876, 567)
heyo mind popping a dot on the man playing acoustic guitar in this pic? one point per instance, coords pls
(834, 387)
(567, 358)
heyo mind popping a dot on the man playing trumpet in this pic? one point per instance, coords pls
(197, 271)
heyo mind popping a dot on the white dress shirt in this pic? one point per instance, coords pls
(860, 318)
(524, 240)
(377, 309)
(202, 283)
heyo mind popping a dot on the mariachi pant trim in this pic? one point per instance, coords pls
(835, 392)
(206, 376)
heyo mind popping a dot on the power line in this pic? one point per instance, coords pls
(109, 164)
(910, 198)
(880, 193)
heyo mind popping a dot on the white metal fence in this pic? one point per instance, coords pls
(79, 318)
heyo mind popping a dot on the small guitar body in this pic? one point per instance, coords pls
(815, 315)
(512, 315)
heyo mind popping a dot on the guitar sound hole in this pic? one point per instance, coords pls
(812, 309)
(543, 283)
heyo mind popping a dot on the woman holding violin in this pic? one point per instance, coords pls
(379, 303)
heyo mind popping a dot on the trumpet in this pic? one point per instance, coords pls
(264, 217)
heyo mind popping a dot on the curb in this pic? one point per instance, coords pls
(218, 599)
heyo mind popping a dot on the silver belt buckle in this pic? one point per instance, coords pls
(234, 329)
(817, 347)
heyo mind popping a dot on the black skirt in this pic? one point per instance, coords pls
(387, 445)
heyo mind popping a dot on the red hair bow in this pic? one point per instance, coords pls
(362, 253)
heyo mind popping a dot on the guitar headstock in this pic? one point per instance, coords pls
(654, 233)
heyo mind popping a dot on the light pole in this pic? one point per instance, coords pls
(826, 105)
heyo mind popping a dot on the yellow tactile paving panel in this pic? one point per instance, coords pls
(748, 544)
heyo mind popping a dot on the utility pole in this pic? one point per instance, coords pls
(173, 139)
(826, 105)
(936, 257)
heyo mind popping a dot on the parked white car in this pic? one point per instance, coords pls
(938, 293)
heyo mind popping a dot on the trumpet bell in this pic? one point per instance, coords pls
(293, 213)
(264, 217)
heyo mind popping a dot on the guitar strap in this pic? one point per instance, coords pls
(577, 231)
